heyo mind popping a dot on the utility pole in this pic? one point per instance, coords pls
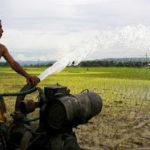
(146, 58)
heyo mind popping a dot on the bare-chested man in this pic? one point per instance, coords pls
(5, 53)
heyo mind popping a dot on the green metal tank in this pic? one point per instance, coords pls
(72, 110)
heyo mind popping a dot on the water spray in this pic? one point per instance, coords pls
(76, 56)
(131, 37)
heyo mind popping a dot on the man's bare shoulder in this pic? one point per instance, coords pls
(3, 48)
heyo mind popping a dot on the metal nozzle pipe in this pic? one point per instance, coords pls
(28, 106)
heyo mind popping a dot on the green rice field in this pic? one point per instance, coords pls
(123, 124)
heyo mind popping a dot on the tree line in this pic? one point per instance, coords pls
(95, 63)
(4, 64)
(112, 64)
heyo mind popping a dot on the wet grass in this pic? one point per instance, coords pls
(124, 122)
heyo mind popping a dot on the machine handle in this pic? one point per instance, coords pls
(85, 90)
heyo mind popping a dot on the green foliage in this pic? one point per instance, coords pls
(4, 64)
(104, 63)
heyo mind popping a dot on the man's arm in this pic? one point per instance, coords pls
(13, 63)
(34, 80)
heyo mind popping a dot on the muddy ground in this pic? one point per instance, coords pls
(118, 127)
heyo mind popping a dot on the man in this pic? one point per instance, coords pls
(33, 80)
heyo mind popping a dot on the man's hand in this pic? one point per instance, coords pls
(32, 80)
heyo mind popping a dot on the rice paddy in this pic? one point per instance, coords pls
(124, 122)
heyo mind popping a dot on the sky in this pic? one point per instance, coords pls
(50, 29)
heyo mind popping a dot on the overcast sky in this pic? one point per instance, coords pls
(49, 29)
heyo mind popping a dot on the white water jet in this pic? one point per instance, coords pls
(76, 56)
(133, 37)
